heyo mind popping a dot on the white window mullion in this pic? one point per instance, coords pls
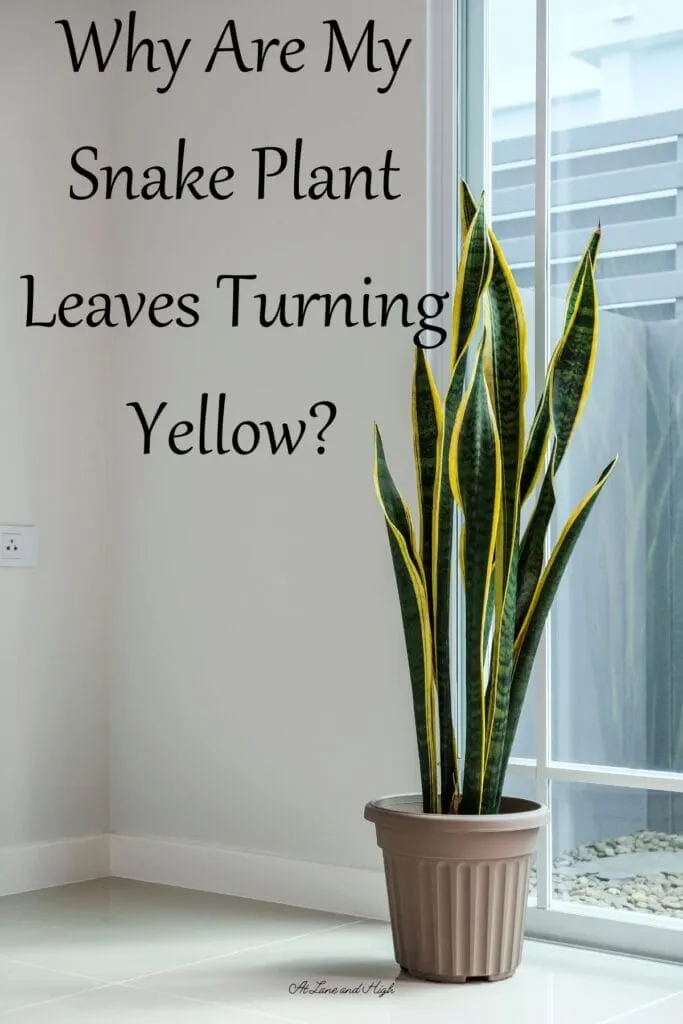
(442, 130)
(445, 128)
(475, 152)
(599, 775)
(540, 359)
(473, 156)
(593, 926)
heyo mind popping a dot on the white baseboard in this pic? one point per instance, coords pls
(341, 890)
(44, 865)
(356, 892)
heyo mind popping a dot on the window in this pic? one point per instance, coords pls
(599, 139)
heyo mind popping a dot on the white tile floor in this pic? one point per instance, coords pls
(123, 951)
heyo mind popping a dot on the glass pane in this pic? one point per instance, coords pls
(520, 786)
(618, 848)
(526, 790)
(513, 112)
(616, 157)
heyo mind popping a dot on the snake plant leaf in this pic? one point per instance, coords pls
(475, 473)
(589, 255)
(393, 505)
(573, 373)
(427, 439)
(416, 622)
(528, 639)
(552, 574)
(474, 274)
(540, 428)
(418, 642)
(442, 556)
(570, 381)
(507, 376)
(538, 435)
(468, 208)
(428, 434)
(490, 601)
(532, 549)
(594, 245)
(470, 450)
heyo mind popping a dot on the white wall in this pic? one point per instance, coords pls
(260, 692)
(53, 733)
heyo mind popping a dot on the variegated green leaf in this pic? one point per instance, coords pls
(416, 623)
(468, 208)
(570, 383)
(475, 475)
(507, 374)
(531, 631)
(589, 255)
(474, 273)
(472, 449)
(540, 428)
(427, 441)
(442, 556)
(538, 435)
(573, 373)
(428, 445)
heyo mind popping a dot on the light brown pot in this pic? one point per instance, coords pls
(457, 886)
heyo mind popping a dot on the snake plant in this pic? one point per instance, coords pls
(472, 450)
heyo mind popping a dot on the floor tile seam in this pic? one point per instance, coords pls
(176, 967)
(208, 1002)
(241, 952)
(183, 965)
(57, 999)
(619, 1017)
(55, 970)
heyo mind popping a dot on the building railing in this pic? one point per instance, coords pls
(628, 175)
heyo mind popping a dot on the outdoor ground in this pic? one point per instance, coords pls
(641, 872)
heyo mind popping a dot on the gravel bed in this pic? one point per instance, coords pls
(642, 872)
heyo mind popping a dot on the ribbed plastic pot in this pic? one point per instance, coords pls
(457, 885)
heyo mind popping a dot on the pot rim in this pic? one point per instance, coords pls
(388, 812)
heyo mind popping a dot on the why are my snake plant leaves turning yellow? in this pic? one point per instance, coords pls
(472, 449)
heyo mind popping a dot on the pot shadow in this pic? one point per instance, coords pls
(332, 971)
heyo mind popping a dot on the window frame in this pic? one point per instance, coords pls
(459, 146)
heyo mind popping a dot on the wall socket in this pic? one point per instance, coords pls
(18, 546)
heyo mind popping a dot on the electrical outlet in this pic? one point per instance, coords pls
(18, 546)
(11, 546)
